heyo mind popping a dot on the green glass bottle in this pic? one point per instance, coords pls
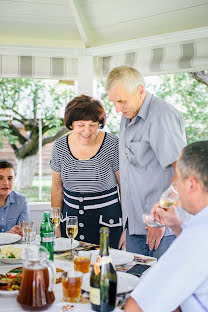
(46, 233)
(103, 279)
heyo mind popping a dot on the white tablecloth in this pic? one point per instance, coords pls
(8, 302)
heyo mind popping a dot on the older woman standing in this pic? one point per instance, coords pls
(85, 172)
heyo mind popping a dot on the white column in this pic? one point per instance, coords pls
(40, 158)
(87, 83)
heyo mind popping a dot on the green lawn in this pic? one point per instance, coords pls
(33, 193)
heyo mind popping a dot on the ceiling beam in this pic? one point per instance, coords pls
(153, 41)
(41, 51)
(108, 49)
(81, 22)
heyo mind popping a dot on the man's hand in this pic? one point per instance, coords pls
(154, 236)
(122, 241)
(131, 306)
(16, 230)
(169, 217)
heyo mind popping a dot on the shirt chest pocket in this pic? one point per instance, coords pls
(141, 154)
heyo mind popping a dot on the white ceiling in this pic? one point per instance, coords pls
(96, 24)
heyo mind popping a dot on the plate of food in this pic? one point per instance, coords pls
(125, 282)
(9, 238)
(11, 254)
(10, 283)
(118, 257)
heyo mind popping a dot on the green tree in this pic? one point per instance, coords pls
(190, 96)
(23, 102)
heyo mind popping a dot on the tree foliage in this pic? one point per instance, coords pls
(190, 97)
(22, 103)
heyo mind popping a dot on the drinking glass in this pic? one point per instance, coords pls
(82, 261)
(167, 199)
(29, 231)
(71, 232)
(55, 216)
(71, 284)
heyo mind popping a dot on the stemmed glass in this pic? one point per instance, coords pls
(167, 199)
(71, 232)
(55, 216)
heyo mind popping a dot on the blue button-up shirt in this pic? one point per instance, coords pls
(180, 277)
(15, 210)
(148, 145)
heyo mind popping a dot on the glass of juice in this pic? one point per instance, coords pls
(71, 284)
(82, 261)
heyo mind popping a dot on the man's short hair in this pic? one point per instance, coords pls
(84, 107)
(129, 77)
(194, 161)
(6, 164)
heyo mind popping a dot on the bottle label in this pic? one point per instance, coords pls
(47, 237)
(99, 261)
(95, 295)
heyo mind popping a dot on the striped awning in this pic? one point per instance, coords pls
(38, 67)
(171, 58)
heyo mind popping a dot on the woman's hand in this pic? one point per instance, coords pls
(122, 241)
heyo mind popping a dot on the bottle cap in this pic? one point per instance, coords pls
(104, 229)
(46, 214)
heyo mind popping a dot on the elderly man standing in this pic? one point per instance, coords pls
(151, 139)
(182, 271)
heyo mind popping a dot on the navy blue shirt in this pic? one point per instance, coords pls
(15, 210)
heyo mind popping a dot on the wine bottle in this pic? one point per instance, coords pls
(103, 279)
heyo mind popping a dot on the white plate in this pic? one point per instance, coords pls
(61, 243)
(11, 260)
(64, 244)
(9, 293)
(125, 282)
(118, 257)
(9, 238)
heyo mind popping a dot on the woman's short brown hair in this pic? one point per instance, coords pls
(84, 107)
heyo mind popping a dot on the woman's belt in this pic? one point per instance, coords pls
(91, 200)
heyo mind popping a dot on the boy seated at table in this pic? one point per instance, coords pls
(13, 205)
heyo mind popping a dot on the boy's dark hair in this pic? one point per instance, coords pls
(6, 164)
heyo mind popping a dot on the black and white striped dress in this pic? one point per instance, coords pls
(90, 189)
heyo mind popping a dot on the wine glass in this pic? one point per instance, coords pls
(167, 199)
(71, 232)
(55, 216)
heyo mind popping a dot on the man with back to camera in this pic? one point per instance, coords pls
(179, 280)
(13, 205)
(151, 138)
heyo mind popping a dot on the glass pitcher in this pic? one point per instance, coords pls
(38, 278)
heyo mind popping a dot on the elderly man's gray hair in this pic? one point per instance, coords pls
(129, 77)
